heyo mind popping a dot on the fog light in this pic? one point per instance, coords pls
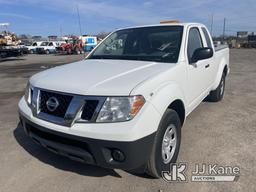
(118, 155)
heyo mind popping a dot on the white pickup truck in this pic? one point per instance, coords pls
(124, 105)
(48, 47)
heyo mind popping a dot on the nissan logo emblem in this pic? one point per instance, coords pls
(52, 104)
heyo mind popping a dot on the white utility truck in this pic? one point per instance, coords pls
(124, 105)
(48, 47)
(32, 47)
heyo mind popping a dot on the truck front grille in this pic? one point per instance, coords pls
(64, 108)
(60, 111)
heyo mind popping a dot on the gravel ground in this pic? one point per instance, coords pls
(218, 133)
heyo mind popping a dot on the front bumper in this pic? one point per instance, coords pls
(125, 155)
(40, 50)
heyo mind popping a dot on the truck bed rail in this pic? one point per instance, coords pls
(220, 47)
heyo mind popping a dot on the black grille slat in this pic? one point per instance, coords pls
(64, 101)
(89, 109)
(31, 93)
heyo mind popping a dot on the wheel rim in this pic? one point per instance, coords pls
(169, 143)
(222, 87)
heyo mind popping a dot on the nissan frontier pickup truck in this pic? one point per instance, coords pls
(123, 106)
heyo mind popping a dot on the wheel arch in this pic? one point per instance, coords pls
(223, 68)
(178, 106)
(170, 96)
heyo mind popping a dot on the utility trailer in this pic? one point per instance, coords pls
(252, 41)
(7, 51)
(9, 46)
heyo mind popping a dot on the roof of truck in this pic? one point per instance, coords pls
(163, 24)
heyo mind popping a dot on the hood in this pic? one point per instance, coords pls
(98, 77)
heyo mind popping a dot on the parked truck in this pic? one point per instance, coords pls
(9, 46)
(89, 42)
(124, 105)
(48, 47)
(32, 46)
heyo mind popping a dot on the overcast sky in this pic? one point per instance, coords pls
(48, 17)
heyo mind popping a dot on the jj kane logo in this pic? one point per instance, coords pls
(176, 174)
(215, 173)
(202, 173)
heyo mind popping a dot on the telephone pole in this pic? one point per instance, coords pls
(211, 24)
(80, 28)
(224, 29)
(61, 34)
(79, 20)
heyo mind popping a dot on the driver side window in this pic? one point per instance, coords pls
(194, 42)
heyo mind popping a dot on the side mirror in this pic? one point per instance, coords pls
(202, 53)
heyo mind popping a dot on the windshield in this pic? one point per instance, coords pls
(159, 44)
(27, 44)
(44, 44)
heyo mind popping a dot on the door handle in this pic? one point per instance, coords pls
(206, 66)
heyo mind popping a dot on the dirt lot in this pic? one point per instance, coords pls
(220, 133)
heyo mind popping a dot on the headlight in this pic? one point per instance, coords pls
(28, 93)
(117, 109)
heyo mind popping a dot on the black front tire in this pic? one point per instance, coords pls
(78, 52)
(156, 165)
(218, 94)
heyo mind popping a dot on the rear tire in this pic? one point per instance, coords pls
(218, 94)
(77, 51)
(159, 161)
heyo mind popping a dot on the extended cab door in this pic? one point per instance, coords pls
(212, 68)
(198, 79)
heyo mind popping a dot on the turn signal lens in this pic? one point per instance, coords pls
(138, 102)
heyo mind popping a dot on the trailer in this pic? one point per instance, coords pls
(251, 41)
(8, 51)
(9, 45)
